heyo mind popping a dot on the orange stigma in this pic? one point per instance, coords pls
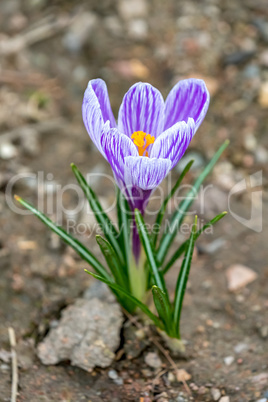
(142, 141)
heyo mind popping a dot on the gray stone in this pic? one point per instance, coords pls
(153, 360)
(88, 334)
(112, 374)
(240, 347)
(101, 291)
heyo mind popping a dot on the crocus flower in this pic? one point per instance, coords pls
(151, 135)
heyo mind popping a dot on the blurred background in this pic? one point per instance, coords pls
(49, 50)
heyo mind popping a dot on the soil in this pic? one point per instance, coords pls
(49, 51)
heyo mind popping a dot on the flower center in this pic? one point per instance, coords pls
(142, 141)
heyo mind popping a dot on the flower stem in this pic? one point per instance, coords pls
(138, 276)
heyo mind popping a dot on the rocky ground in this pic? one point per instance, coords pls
(48, 52)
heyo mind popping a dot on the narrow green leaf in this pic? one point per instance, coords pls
(145, 239)
(112, 261)
(80, 249)
(210, 223)
(123, 213)
(184, 245)
(102, 218)
(178, 215)
(163, 308)
(163, 208)
(133, 299)
(183, 278)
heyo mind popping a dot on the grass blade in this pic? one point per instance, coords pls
(102, 218)
(183, 278)
(123, 213)
(157, 276)
(112, 261)
(184, 245)
(178, 216)
(163, 208)
(164, 309)
(80, 249)
(133, 299)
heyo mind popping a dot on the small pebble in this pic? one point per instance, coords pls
(8, 151)
(112, 374)
(4, 367)
(215, 393)
(171, 377)
(264, 331)
(153, 360)
(261, 154)
(180, 398)
(138, 29)
(239, 276)
(228, 360)
(225, 399)
(240, 347)
(263, 95)
(250, 142)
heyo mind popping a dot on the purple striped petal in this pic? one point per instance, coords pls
(142, 109)
(173, 142)
(100, 89)
(96, 110)
(145, 173)
(188, 98)
(116, 146)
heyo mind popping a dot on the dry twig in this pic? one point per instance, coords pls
(15, 376)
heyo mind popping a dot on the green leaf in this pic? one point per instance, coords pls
(178, 215)
(157, 276)
(112, 261)
(102, 218)
(123, 213)
(80, 249)
(183, 278)
(133, 299)
(163, 208)
(164, 309)
(184, 245)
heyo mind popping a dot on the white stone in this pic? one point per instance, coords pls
(215, 393)
(228, 360)
(138, 29)
(8, 151)
(225, 399)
